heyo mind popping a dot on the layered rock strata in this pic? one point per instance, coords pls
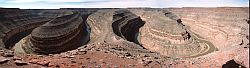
(16, 24)
(166, 35)
(126, 25)
(163, 33)
(58, 35)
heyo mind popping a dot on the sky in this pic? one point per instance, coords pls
(56, 4)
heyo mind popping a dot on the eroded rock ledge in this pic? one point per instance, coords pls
(161, 33)
(168, 36)
(126, 25)
(58, 35)
(16, 24)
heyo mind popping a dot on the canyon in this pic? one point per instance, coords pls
(117, 37)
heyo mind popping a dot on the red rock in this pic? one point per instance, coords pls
(3, 59)
(20, 62)
(16, 58)
(44, 63)
(51, 65)
(34, 61)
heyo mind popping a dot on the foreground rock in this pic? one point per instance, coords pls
(20, 62)
(3, 60)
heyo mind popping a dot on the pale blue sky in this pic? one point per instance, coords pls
(55, 4)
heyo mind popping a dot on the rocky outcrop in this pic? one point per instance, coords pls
(232, 64)
(63, 33)
(16, 24)
(126, 25)
(166, 35)
(163, 33)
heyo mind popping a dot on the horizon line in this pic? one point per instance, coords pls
(125, 7)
